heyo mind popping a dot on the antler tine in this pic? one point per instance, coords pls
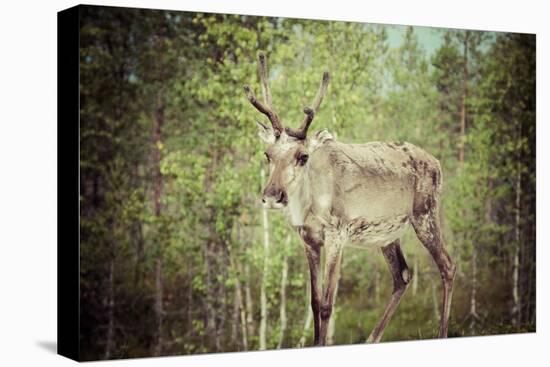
(262, 64)
(321, 92)
(265, 107)
(301, 133)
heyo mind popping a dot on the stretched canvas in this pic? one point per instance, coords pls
(231, 183)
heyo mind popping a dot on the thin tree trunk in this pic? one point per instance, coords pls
(109, 343)
(136, 235)
(516, 308)
(214, 261)
(308, 320)
(235, 320)
(158, 120)
(532, 277)
(489, 202)
(463, 121)
(189, 304)
(210, 295)
(473, 298)
(463, 111)
(307, 326)
(137, 238)
(263, 296)
(221, 296)
(244, 307)
(235, 264)
(249, 305)
(376, 276)
(284, 281)
(159, 310)
(239, 317)
(435, 300)
(242, 317)
(416, 275)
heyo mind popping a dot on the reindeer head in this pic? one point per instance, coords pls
(288, 149)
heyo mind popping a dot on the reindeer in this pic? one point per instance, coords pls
(362, 194)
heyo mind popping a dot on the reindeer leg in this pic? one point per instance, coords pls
(401, 279)
(312, 247)
(333, 256)
(428, 230)
(314, 261)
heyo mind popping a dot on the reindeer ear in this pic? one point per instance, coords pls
(266, 133)
(316, 140)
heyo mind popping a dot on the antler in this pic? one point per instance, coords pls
(266, 108)
(301, 133)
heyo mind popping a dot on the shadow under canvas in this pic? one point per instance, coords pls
(48, 345)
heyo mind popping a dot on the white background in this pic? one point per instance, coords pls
(28, 182)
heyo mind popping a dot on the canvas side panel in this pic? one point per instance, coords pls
(68, 183)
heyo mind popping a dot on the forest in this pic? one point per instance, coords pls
(178, 256)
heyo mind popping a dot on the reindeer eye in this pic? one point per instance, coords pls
(267, 157)
(302, 159)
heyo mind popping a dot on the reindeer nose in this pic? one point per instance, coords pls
(274, 195)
